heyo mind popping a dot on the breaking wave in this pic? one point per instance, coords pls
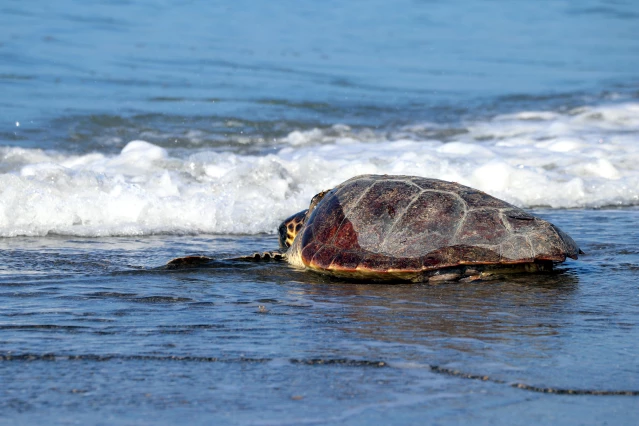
(584, 157)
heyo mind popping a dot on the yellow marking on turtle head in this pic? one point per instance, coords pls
(292, 228)
(289, 229)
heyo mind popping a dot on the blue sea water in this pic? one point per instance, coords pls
(133, 132)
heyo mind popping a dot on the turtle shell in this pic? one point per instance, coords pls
(380, 224)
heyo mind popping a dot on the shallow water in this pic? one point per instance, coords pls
(91, 333)
(135, 132)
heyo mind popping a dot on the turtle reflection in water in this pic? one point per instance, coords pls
(407, 228)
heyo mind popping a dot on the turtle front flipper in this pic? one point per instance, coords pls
(188, 262)
(266, 256)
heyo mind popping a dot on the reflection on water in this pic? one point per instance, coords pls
(518, 314)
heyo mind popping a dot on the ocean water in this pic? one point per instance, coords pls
(135, 132)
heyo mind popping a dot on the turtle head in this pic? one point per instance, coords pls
(293, 225)
(290, 227)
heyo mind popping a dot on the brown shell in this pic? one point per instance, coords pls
(403, 223)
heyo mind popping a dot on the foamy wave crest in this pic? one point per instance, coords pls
(586, 157)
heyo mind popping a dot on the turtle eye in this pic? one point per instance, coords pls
(316, 199)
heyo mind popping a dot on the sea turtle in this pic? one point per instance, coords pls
(407, 228)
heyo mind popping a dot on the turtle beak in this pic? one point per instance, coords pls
(289, 229)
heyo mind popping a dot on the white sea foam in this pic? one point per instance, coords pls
(586, 157)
